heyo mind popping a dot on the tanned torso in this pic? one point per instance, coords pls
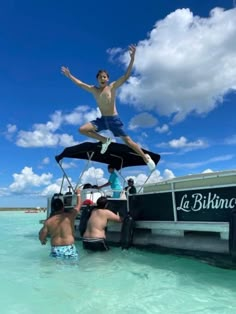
(105, 97)
(96, 224)
(61, 229)
(98, 221)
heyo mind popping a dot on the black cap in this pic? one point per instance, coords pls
(131, 180)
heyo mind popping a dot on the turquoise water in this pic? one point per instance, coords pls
(117, 281)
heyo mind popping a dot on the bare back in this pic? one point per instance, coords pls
(98, 221)
(105, 98)
(61, 229)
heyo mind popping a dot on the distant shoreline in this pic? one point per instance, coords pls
(5, 209)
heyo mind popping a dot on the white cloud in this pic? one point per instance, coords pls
(231, 140)
(56, 187)
(166, 153)
(44, 135)
(168, 174)
(68, 165)
(42, 138)
(162, 129)
(27, 179)
(208, 171)
(65, 140)
(184, 144)
(51, 189)
(187, 64)
(155, 177)
(81, 114)
(113, 52)
(94, 176)
(4, 192)
(192, 165)
(46, 161)
(142, 120)
(11, 130)
(140, 179)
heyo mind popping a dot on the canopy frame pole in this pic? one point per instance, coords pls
(65, 176)
(90, 156)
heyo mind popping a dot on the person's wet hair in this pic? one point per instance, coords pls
(102, 71)
(101, 202)
(57, 205)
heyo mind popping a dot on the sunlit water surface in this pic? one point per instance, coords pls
(117, 281)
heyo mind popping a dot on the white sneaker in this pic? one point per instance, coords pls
(105, 145)
(150, 163)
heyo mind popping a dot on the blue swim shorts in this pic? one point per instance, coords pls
(112, 123)
(64, 251)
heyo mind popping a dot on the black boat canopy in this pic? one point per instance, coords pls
(118, 155)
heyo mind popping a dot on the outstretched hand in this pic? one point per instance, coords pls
(132, 50)
(65, 71)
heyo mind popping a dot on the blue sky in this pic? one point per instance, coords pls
(179, 101)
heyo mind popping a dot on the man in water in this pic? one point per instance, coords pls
(94, 238)
(60, 227)
(105, 96)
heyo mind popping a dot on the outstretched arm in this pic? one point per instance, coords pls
(122, 79)
(79, 203)
(105, 184)
(112, 216)
(66, 72)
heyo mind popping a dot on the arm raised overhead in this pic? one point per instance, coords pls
(89, 88)
(124, 78)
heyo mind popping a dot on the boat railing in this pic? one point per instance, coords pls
(204, 180)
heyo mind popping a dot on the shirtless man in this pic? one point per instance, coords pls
(105, 96)
(60, 227)
(94, 236)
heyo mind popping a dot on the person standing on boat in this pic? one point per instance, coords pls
(130, 188)
(105, 95)
(94, 238)
(60, 227)
(114, 182)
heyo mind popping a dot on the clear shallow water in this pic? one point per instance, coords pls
(117, 281)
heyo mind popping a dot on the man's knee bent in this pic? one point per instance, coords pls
(82, 130)
(85, 129)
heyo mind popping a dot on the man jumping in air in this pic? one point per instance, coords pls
(105, 95)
